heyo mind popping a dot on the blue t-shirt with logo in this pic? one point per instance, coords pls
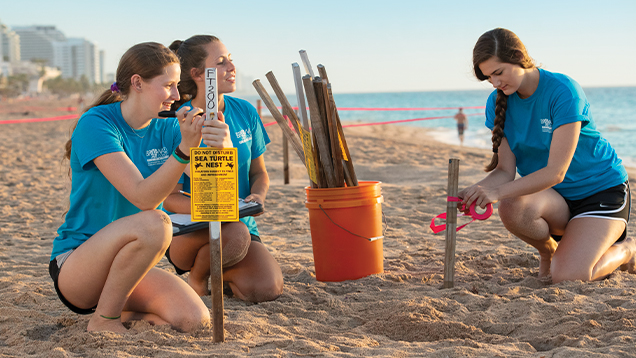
(529, 124)
(249, 137)
(94, 201)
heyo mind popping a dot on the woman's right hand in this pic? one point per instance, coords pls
(190, 124)
(478, 194)
(216, 134)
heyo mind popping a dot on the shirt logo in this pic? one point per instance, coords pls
(244, 135)
(156, 156)
(546, 125)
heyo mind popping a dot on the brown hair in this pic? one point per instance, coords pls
(192, 54)
(147, 59)
(508, 48)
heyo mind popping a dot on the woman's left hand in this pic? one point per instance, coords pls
(257, 198)
(216, 134)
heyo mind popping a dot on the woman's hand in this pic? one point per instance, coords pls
(216, 134)
(480, 195)
(190, 124)
(257, 198)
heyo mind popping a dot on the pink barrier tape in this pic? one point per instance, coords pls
(472, 213)
(395, 109)
(48, 119)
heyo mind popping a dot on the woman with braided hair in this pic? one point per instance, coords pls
(571, 200)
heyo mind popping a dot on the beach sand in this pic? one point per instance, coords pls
(498, 307)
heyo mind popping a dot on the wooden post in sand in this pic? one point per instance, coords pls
(216, 282)
(451, 223)
(259, 104)
(216, 259)
(285, 154)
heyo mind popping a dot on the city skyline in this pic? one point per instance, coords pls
(370, 47)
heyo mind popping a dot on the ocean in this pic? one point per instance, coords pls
(613, 110)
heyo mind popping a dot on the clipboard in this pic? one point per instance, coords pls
(183, 224)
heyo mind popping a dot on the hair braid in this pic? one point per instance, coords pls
(498, 131)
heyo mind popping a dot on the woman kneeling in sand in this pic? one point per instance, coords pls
(572, 189)
(254, 275)
(124, 163)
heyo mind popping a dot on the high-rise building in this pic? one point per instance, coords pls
(9, 45)
(102, 64)
(77, 57)
(36, 43)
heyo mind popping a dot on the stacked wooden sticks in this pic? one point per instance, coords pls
(323, 149)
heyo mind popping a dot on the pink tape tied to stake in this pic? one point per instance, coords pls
(472, 213)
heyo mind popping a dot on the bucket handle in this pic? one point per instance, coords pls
(371, 239)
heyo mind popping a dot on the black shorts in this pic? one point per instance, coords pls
(613, 204)
(54, 271)
(181, 271)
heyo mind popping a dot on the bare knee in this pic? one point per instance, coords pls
(154, 229)
(236, 242)
(562, 271)
(263, 290)
(511, 210)
(192, 319)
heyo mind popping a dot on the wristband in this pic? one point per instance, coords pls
(181, 154)
(179, 159)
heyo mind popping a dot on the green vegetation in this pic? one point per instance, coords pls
(15, 85)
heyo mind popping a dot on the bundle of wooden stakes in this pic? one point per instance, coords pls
(323, 149)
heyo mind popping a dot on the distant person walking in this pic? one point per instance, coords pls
(462, 124)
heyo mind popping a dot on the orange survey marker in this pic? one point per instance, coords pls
(472, 213)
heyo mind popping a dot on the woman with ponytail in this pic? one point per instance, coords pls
(571, 200)
(250, 271)
(124, 162)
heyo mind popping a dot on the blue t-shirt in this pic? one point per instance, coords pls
(529, 124)
(249, 137)
(94, 201)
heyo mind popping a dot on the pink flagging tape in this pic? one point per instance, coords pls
(47, 119)
(386, 109)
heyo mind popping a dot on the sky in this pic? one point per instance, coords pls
(365, 45)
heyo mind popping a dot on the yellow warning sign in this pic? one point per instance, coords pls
(214, 184)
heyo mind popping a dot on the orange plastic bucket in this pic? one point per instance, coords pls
(346, 231)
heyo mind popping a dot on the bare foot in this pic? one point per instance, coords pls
(200, 287)
(546, 257)
(100, 324)
(629, 244)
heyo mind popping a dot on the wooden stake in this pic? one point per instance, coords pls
(320, 174)
(259, 105)
(300, 96)
(336, 153)
(451, 223)
(282, 122)
(321, 134)
(350, 174)
(323, 72)
(287, 108)
(216, 281)
(302, 114)
(216, 259)
(285, 158)
(305, 59)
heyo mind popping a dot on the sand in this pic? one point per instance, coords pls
(498, 307)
